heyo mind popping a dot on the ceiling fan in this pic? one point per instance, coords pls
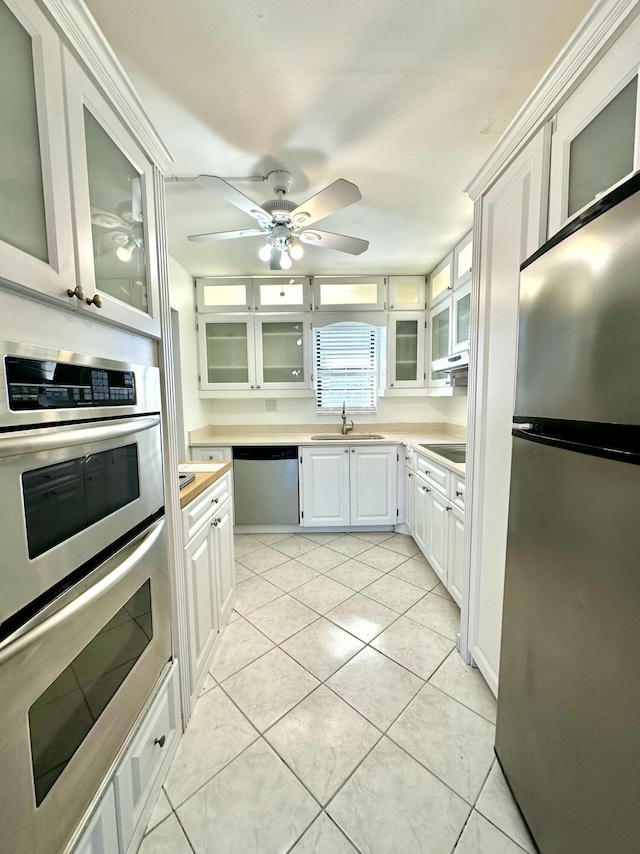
(285, 223)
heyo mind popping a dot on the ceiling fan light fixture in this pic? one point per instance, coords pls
(124, 253)
(285, 260)
(296, 252)
(264, 253)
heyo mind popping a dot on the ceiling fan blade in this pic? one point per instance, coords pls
(225, 235)
(327, 240)
(276, 255)
(333, 198)
(235, 197)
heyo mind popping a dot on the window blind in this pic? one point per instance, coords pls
(346, 367)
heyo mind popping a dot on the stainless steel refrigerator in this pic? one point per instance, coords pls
(568, 728)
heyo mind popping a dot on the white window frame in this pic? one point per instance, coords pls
(378, 334)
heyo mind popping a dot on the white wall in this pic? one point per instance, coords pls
(456, 410)
(303, 411)
(182, 299)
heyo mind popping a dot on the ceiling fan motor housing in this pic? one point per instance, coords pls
(280, 181)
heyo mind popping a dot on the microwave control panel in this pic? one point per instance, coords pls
(35, 384)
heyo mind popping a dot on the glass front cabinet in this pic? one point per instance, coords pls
(114, 215)
(440, 325)
(407, 293)
(36, 235)
(406, 350)
(252, 353)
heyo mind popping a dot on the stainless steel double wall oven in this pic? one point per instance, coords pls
(84, 603)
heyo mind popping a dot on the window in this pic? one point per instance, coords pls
(348, 358)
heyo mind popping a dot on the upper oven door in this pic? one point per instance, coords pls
(67, 494)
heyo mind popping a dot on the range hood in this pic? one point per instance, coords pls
(451, 364)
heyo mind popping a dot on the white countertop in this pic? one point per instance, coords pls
(302, 437)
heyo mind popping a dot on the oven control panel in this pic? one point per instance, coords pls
(38, 384)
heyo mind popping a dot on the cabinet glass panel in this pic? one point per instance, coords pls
(463, 320)
(117, 217)
(407, 350)
(22, 210)
(440, 339)
(602, 153)
(224, 295)
(407, 293)
(344, 293)
(227, 353)
(62, 717)
(441, 281)
(283, 352)
(277, 295)
(464, 260)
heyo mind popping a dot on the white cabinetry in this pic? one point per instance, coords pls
(349, 485)
(437, 540)
(343, 293)
(101, 834)
(456, 553)
(211, 453)
(441, 281)
(405, 349)
(407, 293)
(513, 226)
(209, 571)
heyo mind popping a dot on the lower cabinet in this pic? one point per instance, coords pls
(198, 452)
(209, 571)
(101, 834)
(436, 521)
(347, 485)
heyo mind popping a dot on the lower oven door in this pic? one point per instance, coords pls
(73, 681)
(68, 493)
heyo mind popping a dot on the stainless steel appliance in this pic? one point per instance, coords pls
(84, 594)
(265, 481)
(569, 693)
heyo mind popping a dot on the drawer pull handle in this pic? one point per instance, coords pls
(160, 740)
(458, 493)
(447, 509)
(215, 500)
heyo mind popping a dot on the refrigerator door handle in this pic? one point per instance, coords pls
(623, 455)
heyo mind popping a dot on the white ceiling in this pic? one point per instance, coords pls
(405, 98)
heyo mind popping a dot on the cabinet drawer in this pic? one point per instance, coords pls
(410, 459)
(143, 760)
(217, 453)
(434, 474)
(201, 509)
(457, 490)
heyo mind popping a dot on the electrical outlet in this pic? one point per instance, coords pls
(271, 405)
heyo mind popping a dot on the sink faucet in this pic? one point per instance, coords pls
(346, 428)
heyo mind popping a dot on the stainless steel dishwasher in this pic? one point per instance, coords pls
(265, 482)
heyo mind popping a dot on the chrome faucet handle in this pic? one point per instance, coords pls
(348, 427)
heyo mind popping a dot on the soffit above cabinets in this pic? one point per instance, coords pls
(404, 99)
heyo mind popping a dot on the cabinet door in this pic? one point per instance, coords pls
(440, 321)
(114, 210)
(36, 234)
(284, 293)
(210, 453)
(461, 325)
(596, 142)
(438, 533)
(202, 599)
(225, 567)
(420, 512)
(101, 834)
(512, 227)
(374, 485)
(224, 294)
(407, 293)
(405, 350)
(324, 476)
(455, 569)
(283, 352)
(441, 281)
(409, 499)
(335, 293)
(227, 352)
(462, 258)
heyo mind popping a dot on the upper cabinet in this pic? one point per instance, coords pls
(340, 293)
(462, 258)
(441, 281)
(113, 205)
(407, 293)
(235, 294)
(290, 293)
(596, 141)
(405, 349)
(36, 242)
(224, 294)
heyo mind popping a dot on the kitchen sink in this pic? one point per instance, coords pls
(454, 453)
(349, 437)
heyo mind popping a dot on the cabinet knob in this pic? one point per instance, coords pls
(215, 500)
(252, 386)
(160, 741)
(448, 508)
(257, 386)
(78, 291)
(346, 450)
(410, 475)
(216, 522)
(392, 306)
(426, 489)
(458, 493)
(353, 450)
(391, 384)
(95, 300)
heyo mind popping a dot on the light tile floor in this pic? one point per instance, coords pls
(337, 716)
